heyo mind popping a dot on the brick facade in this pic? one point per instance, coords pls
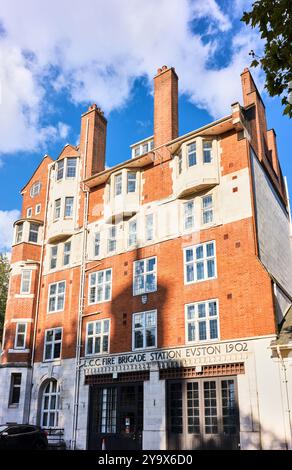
(242, 286)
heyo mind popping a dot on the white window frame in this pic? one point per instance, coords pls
(132, 180)
(97, 284)
(118, 184)
(53, 343)
(24, 292)
(67, 252)
(56, 295)
(60, 171)
(112, 239)
(96, 243)
(208, 209)
(57, 208)
(19, 233)
(33, 231)
(211, 151)
(29, 212)
(179, 163)
(71, 206)
(144, 274)
(206, 319)
(188, 215)
(18, 333)
(50, 411)
(100, 335)
(38, 209)
(143, 328)
(70, 159)
(54, 257)
(35, 189)
(193, 152)
(149, 227)
(204, 260)
(132, 235)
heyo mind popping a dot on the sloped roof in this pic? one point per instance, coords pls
(69, 151)
(40, 164)
(285, 334)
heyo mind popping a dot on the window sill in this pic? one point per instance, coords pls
(18, 351)
(24, 296)
(200, 280)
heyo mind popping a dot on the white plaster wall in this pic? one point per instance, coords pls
(64, 372)
(154, 429)
(16, 414)
(275, 243)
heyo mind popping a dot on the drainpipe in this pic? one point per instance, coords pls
(39, 290)
(286, 393)
(78, 364)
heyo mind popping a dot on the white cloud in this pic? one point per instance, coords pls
(6, 228)
(99, 48)
(63, 130)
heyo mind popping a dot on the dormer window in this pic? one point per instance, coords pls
(192, 154)
(66, 168)
(142, 148)
(35, 189)
(71, 167)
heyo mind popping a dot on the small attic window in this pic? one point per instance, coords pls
(35, 189)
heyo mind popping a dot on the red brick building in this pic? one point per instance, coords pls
(146, 299)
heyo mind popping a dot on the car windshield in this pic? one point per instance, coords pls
(2, 428)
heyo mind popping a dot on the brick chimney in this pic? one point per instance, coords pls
(165, 105)
(93, 140)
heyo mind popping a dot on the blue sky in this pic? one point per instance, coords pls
(53, 66)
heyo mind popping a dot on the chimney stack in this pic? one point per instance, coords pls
(165, 105)
(93, 140)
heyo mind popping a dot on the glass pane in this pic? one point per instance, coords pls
(97, 348)
(138, 342)
(200, 270)
(211, 268)
(202, 331)
(150, 337)
(176, 410)
(89, 348)
(201, 310)
(191, 331)
(190, 272)
(150, 265)
(189, 255)
(199, 252)
(213, 329)
(212, 309)
(190, 312)
(210, 249)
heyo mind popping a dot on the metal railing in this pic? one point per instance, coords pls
(55, 438)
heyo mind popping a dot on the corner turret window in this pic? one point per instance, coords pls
(19, 232)
(33, 233)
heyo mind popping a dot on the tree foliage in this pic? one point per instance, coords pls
(274, 20)
(4, 278)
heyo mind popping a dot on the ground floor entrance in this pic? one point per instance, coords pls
(202, 414)
(116, 417)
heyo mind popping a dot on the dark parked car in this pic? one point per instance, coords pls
(22, 436)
